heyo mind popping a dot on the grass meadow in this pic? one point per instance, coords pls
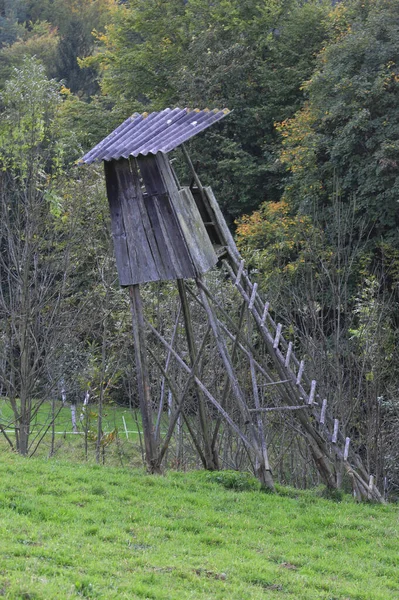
(73, 530)
(124, 450)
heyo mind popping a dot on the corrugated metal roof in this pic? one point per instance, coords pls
(151, 133)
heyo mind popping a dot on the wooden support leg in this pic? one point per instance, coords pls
(235, 386)
(211, 457)
(143, 380)
(264, 473)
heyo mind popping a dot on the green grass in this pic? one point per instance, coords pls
(74, 530)
(112, 416)
(70, 446)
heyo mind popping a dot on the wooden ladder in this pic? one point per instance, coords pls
(293, 375)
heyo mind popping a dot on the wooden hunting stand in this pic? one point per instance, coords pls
(163, 231)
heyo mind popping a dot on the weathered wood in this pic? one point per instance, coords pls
(323, 411)
(253, 296)
(265, 313)
(220, 223)
(204, 389)
(278, 335)
(210, 212)
(143, 265)
(143, 380)
(158, 235)
(288, 355)
(279, 408)
(211, 460)
(173, 248)
(346, 450)
(264, 472)
(191, 225)
(240, 272)
(300, 372)
(312, 392)
(117, 226)
(235, 386)
(177, 249)
(200, 247)
(335, 432)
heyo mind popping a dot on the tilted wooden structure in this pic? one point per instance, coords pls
(163, 231)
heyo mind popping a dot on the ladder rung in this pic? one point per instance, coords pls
(288, 355)
(253, 296)
(240, 271)
(346, 451)
(265, 311)
(278, 335)
(300, 372)
(323, 411)
(312, 392)
(335, 434)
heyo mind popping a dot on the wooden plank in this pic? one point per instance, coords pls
(312, 392)
(278, 335)
(265, 313)
(335, 433)
(143, 379)
(196, 236)
(240, 271)
(220, 223)
(142, 263)
(147, 168)
(288, 355)
(149, 172)
(192, 228)
(117, 226)
(346, 450)
(206, 216)
(323, 411)
(300, 372)
(202, 203)
(151, 233)
(154, 210)
(371, 487)
(253, 296)
(177, 248)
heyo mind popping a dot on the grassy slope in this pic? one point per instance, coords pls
(69, 531)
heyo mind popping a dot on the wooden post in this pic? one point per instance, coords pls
(312, 392)
(264, 477)
(323, 412)
(288, 355)
(264, 472)
(143, 380)
(335, 433)
(265, 312)
(210, 455)
(278, 335)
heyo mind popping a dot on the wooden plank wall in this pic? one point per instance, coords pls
(158, 233)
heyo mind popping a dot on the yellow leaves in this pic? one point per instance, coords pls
(277, 242)
(64, 91)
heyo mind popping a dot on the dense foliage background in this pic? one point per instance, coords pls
(306, 169)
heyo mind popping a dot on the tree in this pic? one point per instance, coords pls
(12, 15)
(41, 41)
(32, 261)
(249, 57)
(347, 133)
